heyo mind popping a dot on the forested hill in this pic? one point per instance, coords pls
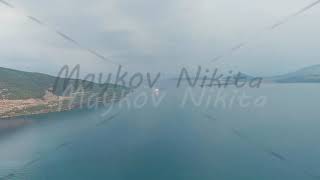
(16, 84)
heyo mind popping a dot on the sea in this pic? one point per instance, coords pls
(172, 134)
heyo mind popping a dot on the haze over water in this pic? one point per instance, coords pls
(277, 141)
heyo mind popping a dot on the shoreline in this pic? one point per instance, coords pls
(55, 104)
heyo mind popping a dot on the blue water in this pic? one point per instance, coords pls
(277, 141)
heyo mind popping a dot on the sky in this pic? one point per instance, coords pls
(159, 36)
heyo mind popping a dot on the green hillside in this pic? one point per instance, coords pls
(24, 85)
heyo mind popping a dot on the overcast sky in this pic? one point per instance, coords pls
(146, 35)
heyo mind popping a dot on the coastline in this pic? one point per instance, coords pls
(50, 103)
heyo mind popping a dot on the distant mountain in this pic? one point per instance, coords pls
(245, 76)
(309, 74)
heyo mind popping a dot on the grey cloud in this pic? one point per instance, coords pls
(164, 34)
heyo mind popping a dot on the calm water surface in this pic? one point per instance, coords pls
(278, 141)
